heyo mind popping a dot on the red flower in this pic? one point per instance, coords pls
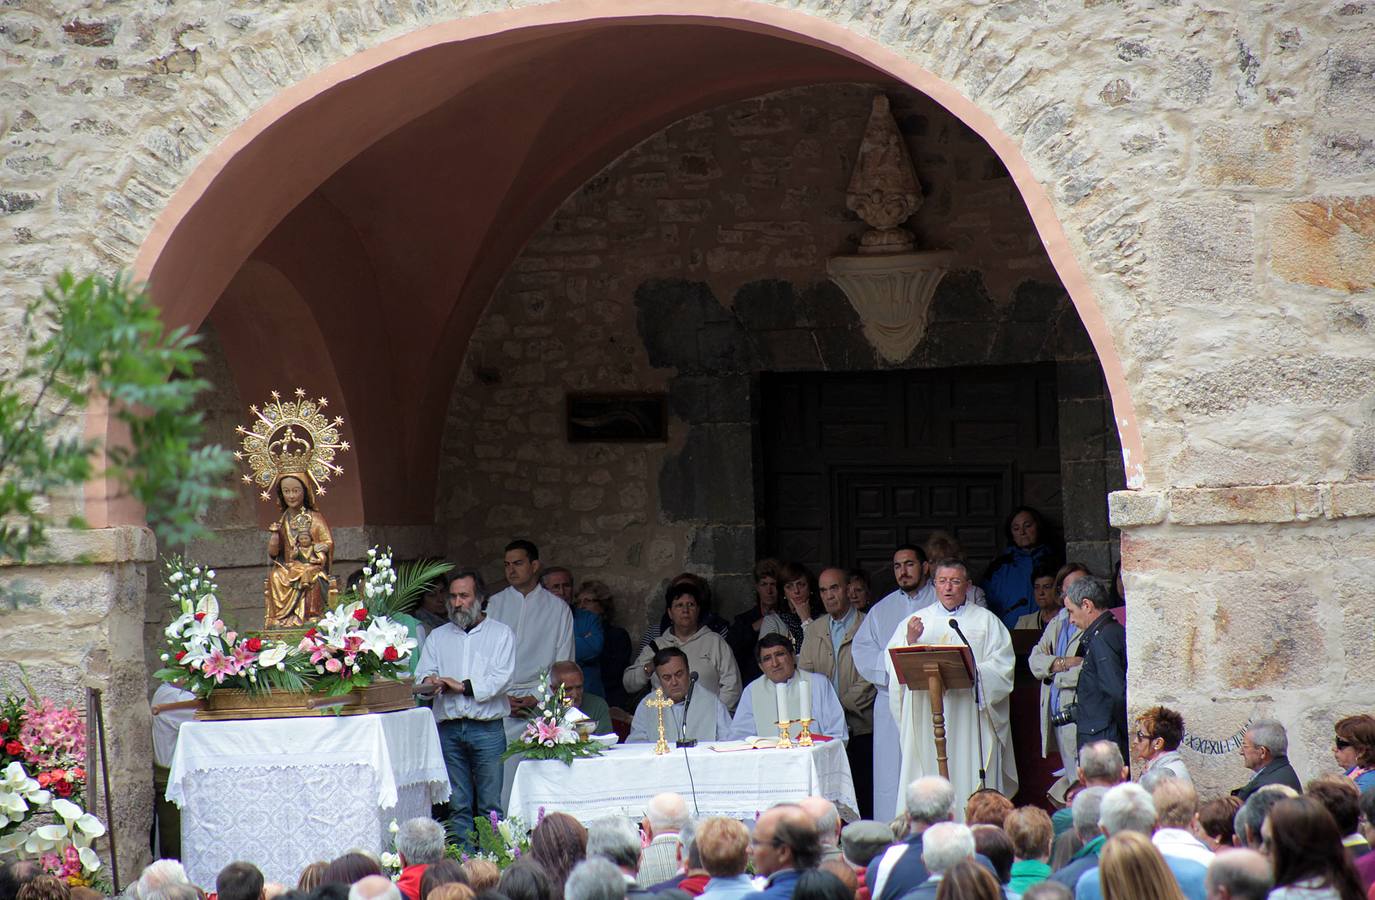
(44, 779)
(360, 613)
(62, 788)
(77, 774)
(200, 617)
(390, 654)
(180, 655)
(253, 645)
(4, 725)
(310, 633)
(14, 748)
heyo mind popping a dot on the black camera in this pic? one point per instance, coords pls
(1066, 716)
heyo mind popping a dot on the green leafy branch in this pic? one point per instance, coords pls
(97, 337)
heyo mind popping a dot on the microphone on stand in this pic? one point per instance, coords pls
(682, 726)
(978, 703)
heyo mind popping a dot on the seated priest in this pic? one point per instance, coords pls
(705, 716)
(569, 674)
(970, 722)
(786, 692)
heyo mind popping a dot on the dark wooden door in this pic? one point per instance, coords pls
(856, 464)
(880, 509)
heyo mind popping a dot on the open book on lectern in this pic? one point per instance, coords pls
(915, 665)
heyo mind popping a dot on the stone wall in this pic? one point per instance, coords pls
(697, 261)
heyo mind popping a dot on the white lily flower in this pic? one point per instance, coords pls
(178, 625)
(210, 606)
(272, 656)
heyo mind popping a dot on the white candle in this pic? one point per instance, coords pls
(806, 686)
(781, 691)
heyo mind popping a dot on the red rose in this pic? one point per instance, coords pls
(44, 779)
(310, 633)
(200, 617)
(390, 654)
(14, 748)
(360, 613)
(62, 788)
(254, 644)
(180, 655)
(78, 774)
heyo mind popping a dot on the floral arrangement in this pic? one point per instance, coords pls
(354, 644)
(549, 734)
(203, 653)
(39, 736)
(46, 739)
(497, 840)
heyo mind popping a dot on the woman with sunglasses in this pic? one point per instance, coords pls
(1354, 749)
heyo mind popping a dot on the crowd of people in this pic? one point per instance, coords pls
(920, 836)
(1123, 840)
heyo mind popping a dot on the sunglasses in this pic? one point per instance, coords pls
(1342, 745)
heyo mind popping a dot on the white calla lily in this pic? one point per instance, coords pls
(89, 861)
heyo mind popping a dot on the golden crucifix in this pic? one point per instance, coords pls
(661, 703)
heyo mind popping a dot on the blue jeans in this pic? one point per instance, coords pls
(472, 754)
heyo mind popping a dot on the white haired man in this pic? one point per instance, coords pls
(420, 844)
(1128, 807)
(665, 816)
(944, 846)
(1264, 750)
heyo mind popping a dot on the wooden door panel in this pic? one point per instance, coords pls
(856, 463)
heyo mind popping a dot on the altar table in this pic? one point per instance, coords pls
(737, 784)
(283, 793)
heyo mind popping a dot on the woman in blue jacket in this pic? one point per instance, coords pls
(1008, 583)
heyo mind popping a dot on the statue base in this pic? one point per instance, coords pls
(381, 696)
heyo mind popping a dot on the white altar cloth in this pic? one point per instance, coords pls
(738, 784)
(283, 793)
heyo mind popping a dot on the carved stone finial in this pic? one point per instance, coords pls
(883, 189)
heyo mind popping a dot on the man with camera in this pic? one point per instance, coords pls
(1100, 708)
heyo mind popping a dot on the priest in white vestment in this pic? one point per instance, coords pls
(992, 647)
(797, 691)
(869, 649)
(541, 621)
(543, 628)
(707, 717)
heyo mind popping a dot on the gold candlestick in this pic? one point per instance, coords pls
(783, 742)
(661, 703)
(805, 738)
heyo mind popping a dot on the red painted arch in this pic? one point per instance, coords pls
(548, 95)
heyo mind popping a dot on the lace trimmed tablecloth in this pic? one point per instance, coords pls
(283, 793)
(738, 784)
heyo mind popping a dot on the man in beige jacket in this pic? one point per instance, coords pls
(826, 651)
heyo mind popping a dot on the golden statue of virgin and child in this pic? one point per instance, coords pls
(291, 448)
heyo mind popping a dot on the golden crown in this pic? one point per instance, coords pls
(291, 438)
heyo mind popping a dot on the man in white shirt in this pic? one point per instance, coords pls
(759, 711)
(1176, 803)
(870, 653)
(467, 664)
(541, 622)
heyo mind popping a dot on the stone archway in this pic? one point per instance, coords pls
(261, 171)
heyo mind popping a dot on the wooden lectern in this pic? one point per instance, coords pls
(936, 668)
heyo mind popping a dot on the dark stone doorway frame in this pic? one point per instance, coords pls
(973, 443)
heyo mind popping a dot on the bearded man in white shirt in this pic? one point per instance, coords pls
(466, 665)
